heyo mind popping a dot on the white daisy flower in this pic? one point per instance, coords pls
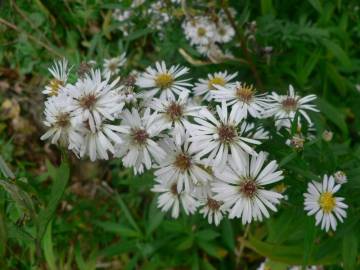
(94, 98)
(224, 32)
(163, 80)
(218, 138)
(112, 65)
(241, 188)
(340, 177)
(242, 97)
(121, 14)
(297, 141)
(139, 147)
(98, 144)
(284, 107)
(170, 198)
(60, 71)
(321, 202)
(205, 86)
(199, 31)
(60, 120)
(212, 210)
(174, 114)
(180, 166)
(249, 130)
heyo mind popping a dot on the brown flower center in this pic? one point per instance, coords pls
(140, 136)
(245, 92)
(164, 80)
(289, 104)
(88, 101)
(113, 66)
(173, 189)
(174, 111)
(63, 120)
(226, 133)
(201, 31)
(248, 187)
(213, 204)
(183, 162)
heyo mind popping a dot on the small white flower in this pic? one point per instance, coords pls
(112, 65)
(60, 73)
(139, 146)
(98, 144)
(327, 135)
(180, 166)
(199, 31)
(60, 120)
(94, 99)
(218, 138)
(121, 15)
(340, 177)
(170, 198)
(174, 114)
(212, 209)
(249, 130)
(224, 32)
(205, 86)
(241, 188)
(242, 97)
(284, 107)
(297, 142)
(163, 80)
(320, 200)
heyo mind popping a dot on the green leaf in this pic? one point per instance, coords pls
(48, 249)
(338, 52)
(213, 249)
(186, 243)
(119, 248)
(138, 34)
(22, 199)
(126, 212)
(334, 115)
(227, 234)
(4, 168)
(90, 263)
(3, 236)
(60, 178)
(117, 228)
(349, 250)
(266, 7)
(206, 235)
(309, 239)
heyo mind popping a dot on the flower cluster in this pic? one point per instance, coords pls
(205, 32)
(201, 141)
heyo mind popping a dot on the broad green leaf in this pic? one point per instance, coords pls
(213, 249)
(4, 168)
(119, 248)
(186, 243)
(338, 52)
(309, 239)
(349, 250)
(227, 234)
(60, 178)
(290, 254)
(126, 212)
(333, 114)
(117, 228)
(3, 236)
(48, 249)
(22, 199)
(206, 235)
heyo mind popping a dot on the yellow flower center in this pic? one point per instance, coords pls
(201, 31)
(327, 202)
(164, 80)
(55, 85)
(245, 92)
(216, 81)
